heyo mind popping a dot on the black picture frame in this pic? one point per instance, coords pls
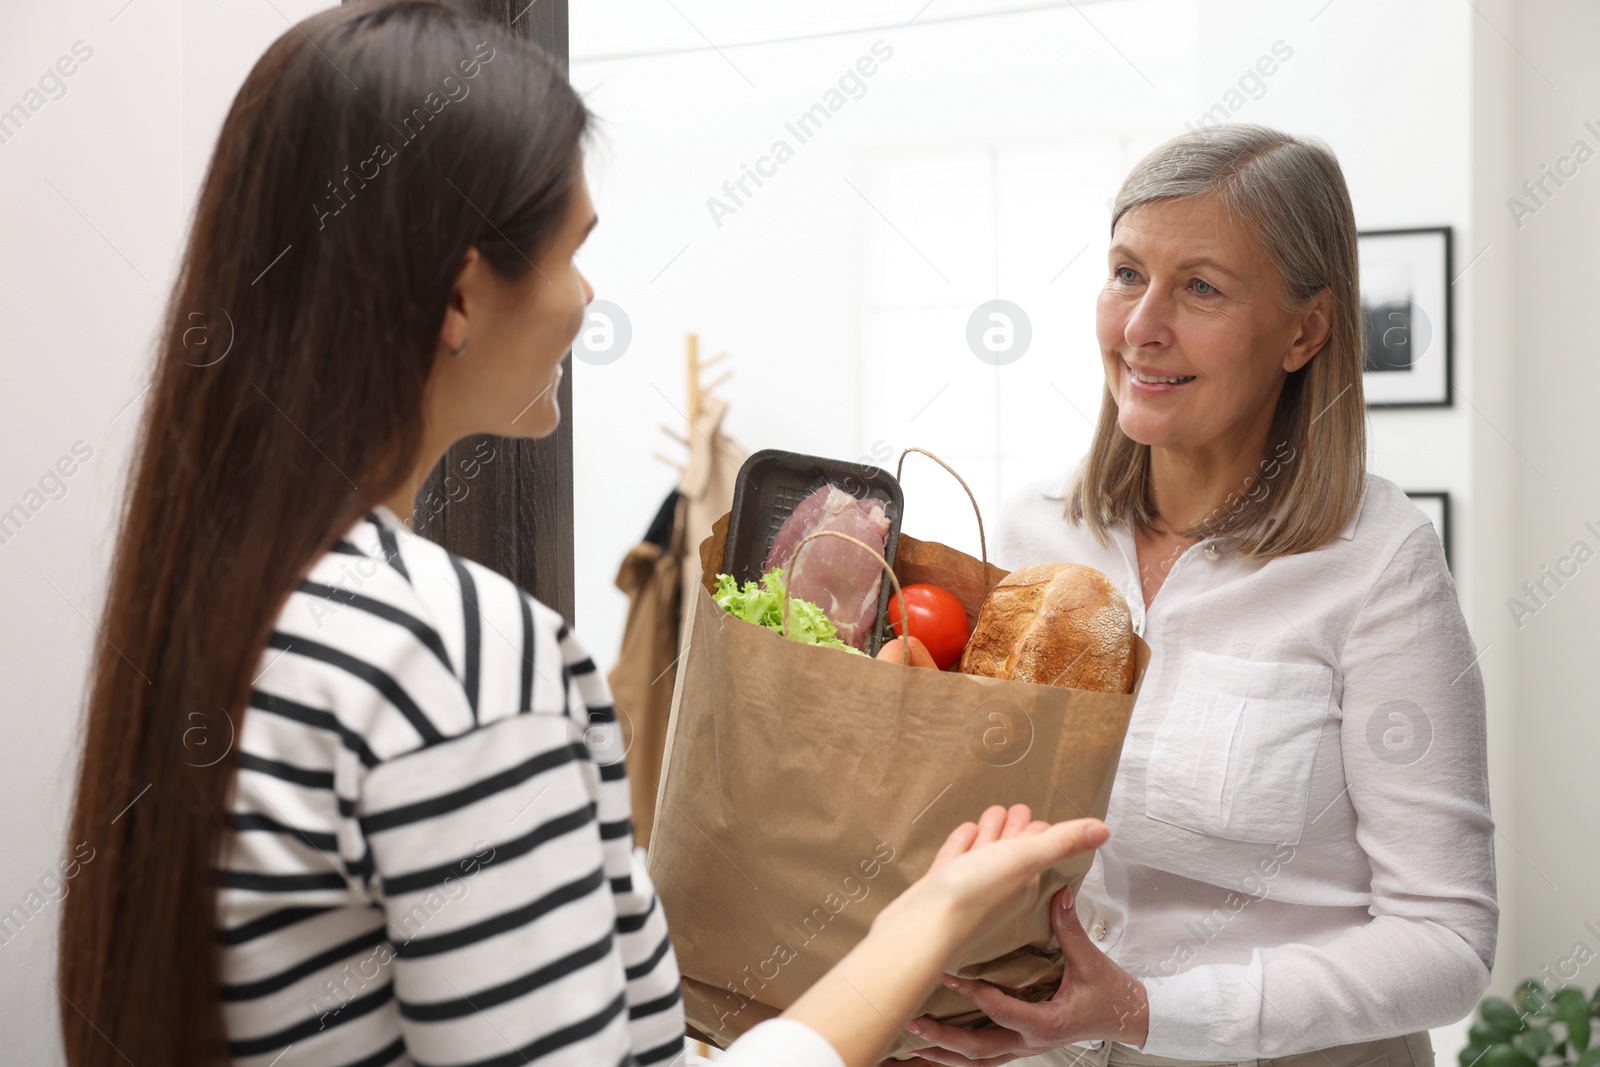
(1405, 272)
(1435, 503)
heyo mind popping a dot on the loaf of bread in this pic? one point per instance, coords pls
(1054, 624)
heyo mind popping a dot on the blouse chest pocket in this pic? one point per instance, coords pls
(1233, 757)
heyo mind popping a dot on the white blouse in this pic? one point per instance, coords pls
(1302, 852)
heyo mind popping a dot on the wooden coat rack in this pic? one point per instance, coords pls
(697, 389)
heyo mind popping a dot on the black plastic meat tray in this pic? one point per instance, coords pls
(770, 485)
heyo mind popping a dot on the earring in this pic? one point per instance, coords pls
(457, 351)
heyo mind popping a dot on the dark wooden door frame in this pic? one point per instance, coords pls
(512, 512)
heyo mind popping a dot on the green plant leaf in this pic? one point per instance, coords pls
(1577, 1020)
(1537, 1042)
(1484, 1034)
(1498, 1013)
(1570, 997)
(1506, 1054)
(1589, 1059)
(1471, 1054)
(1531, 998)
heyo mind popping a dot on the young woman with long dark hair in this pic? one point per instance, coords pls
(345, 791)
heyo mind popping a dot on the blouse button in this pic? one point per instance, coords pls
(1099, 930)
(1211, 550)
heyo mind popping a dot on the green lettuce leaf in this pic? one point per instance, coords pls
(763, 605)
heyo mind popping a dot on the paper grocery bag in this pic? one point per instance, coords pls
(803, 788)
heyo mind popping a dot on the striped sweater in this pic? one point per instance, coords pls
(430, 859)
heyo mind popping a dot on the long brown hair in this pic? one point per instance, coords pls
(1290, 194)
(370, 147)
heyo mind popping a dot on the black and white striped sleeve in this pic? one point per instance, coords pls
(654, 990)
(655, 1010)
(523, 932)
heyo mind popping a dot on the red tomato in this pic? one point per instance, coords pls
(937, 619)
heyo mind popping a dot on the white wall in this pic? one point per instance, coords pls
(977, 165)
(1488, 311)
(1550, 353)
(841, 286)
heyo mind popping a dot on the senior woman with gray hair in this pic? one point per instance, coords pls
(1301, 870)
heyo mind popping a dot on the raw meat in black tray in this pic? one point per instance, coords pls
(832, 573)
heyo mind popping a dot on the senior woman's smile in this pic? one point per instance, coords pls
(1193, 330)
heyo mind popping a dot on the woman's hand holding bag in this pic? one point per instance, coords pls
(1097, 1000)
(985, 873)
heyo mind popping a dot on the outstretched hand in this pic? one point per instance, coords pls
(988, 872)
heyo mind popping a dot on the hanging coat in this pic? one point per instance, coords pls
(707, 488)
(656, 574)
(641, 682)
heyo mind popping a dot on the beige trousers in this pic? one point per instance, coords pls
(1411, 1050)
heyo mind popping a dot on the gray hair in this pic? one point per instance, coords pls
(1289, 194)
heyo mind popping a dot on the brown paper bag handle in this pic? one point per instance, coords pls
(983, 544)
(788, 568)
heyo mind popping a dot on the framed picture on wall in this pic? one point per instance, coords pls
(1436, 505)
(1406, 317)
